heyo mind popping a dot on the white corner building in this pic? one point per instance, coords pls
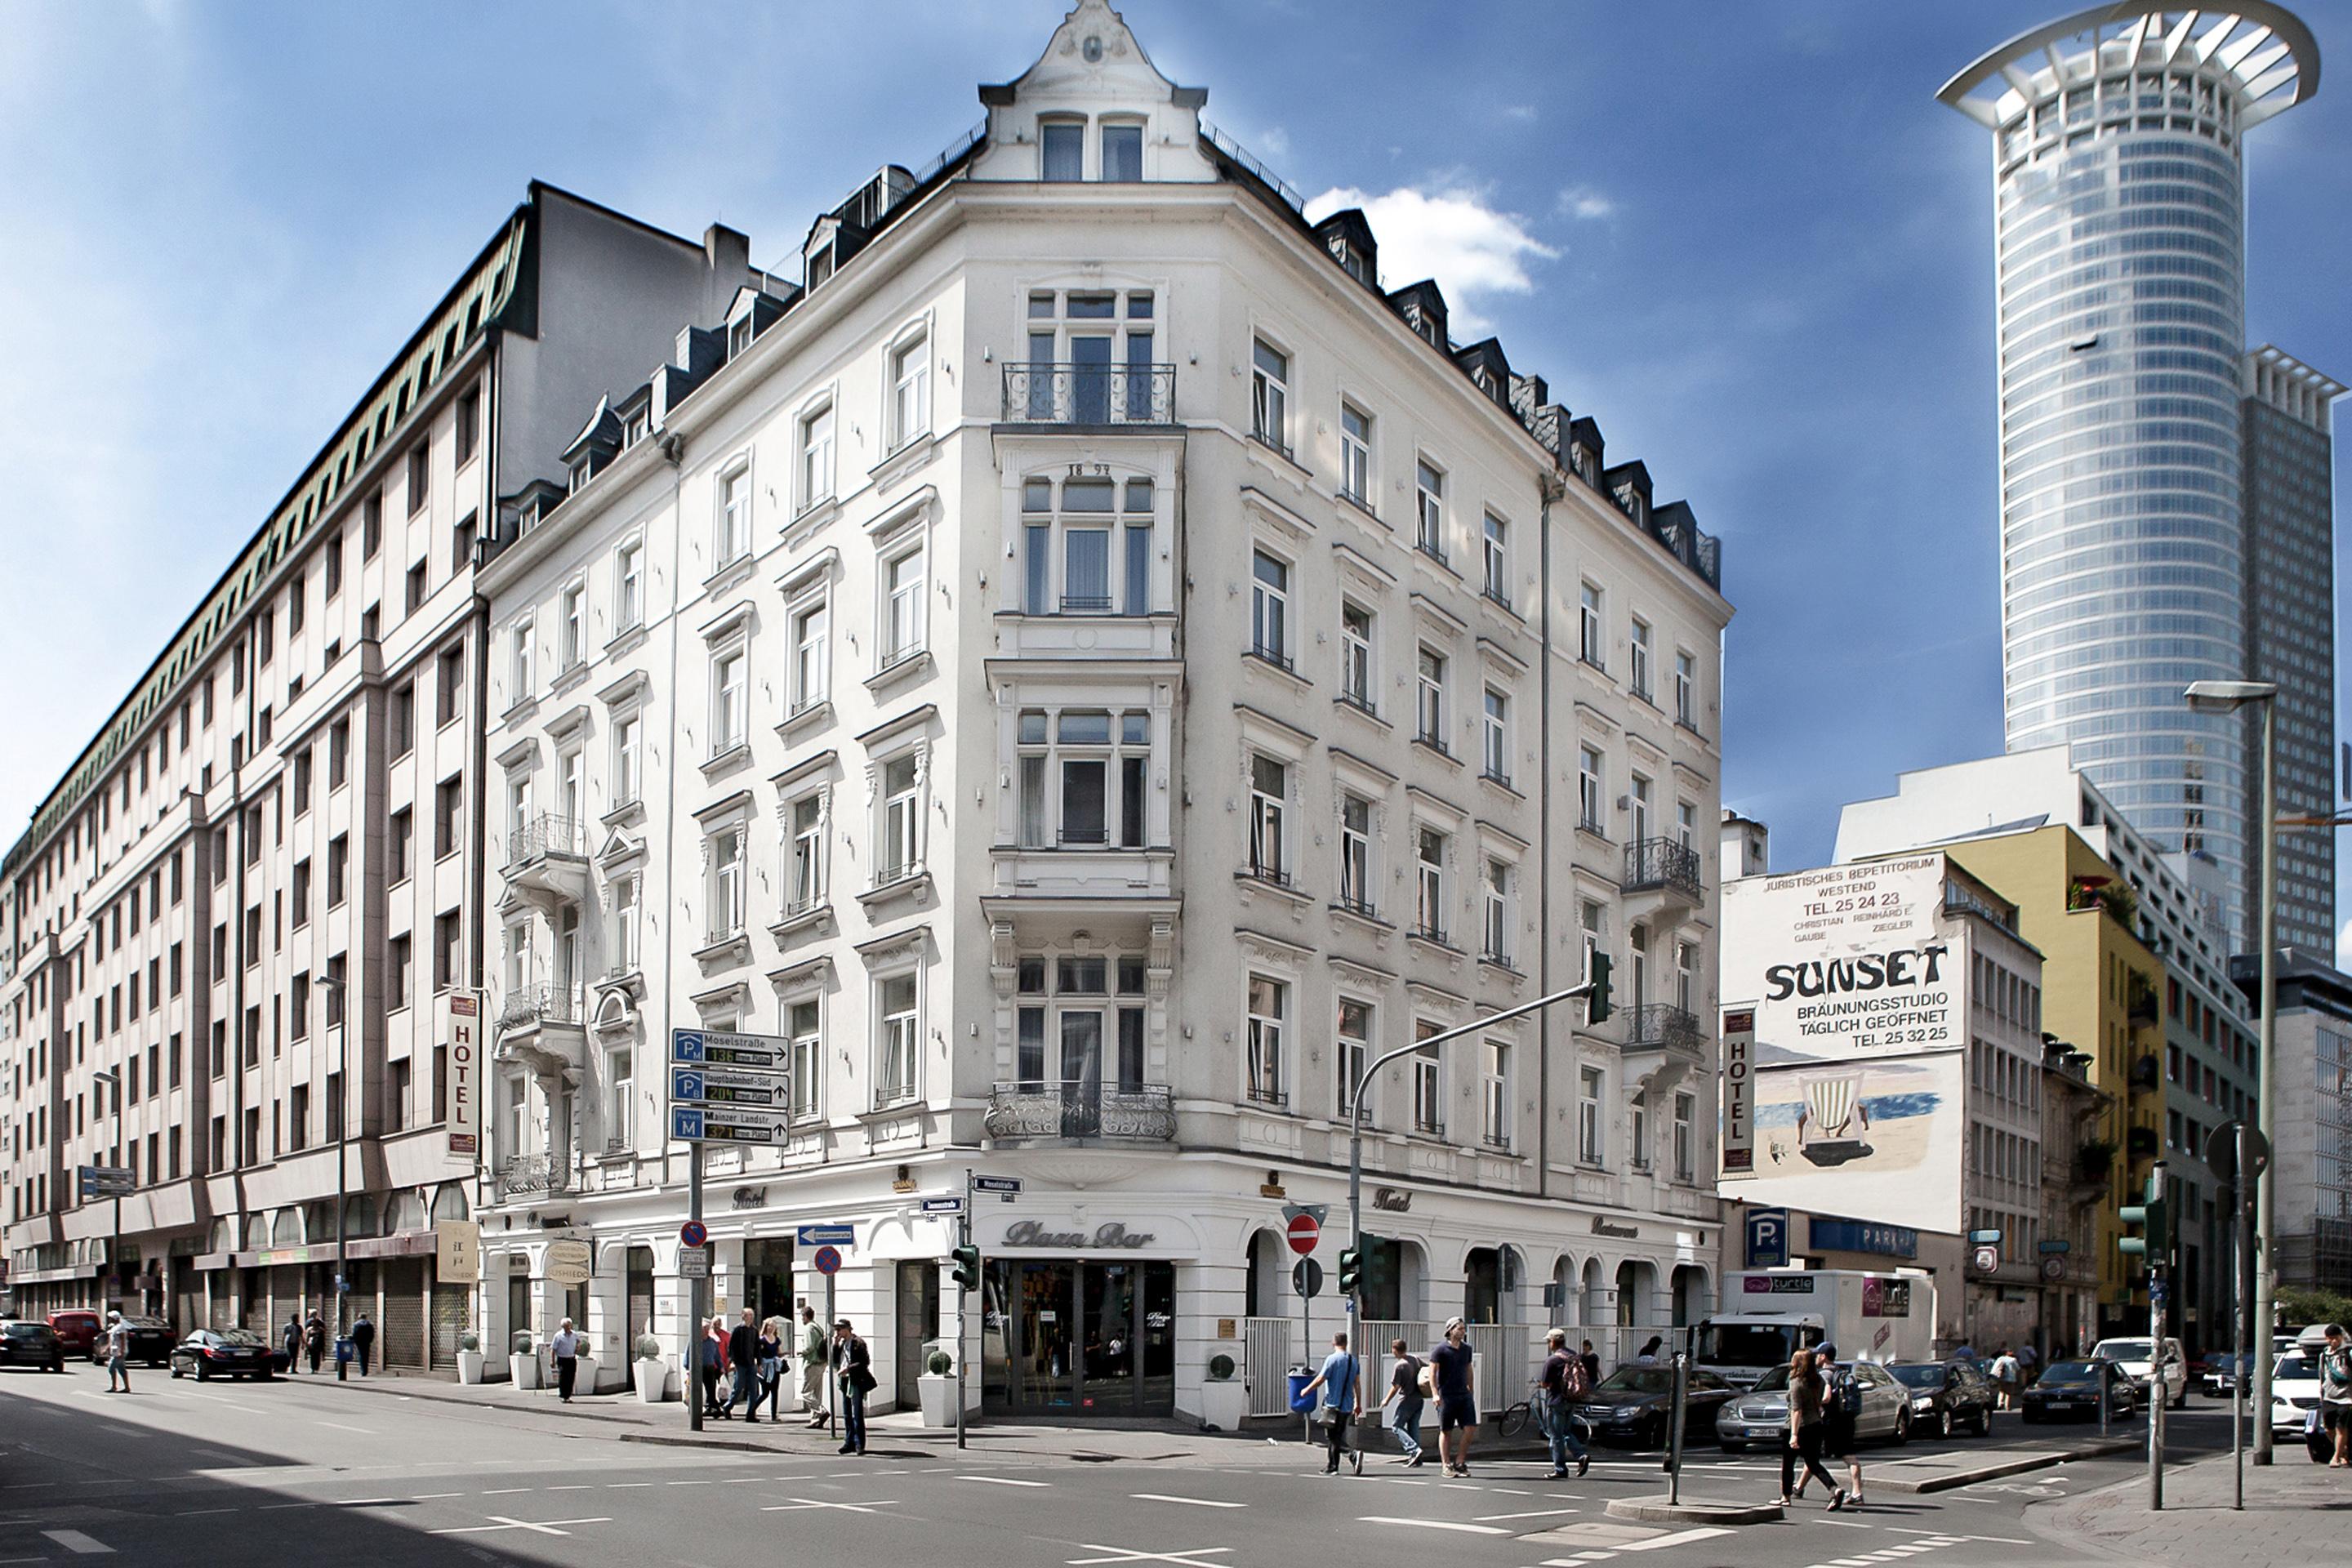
(1087, 666)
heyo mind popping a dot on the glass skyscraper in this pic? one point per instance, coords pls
(2120, 220)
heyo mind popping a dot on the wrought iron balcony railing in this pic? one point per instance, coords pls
(1662, 865)
(1040, 393)
(545, 835)
(528, 1175)
(1081, 1109)
(1661, 1025)
(543, 1004)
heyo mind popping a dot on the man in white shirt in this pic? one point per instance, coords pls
(117, 1354)
(566, 1346)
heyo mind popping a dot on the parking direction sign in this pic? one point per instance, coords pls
(749, 1053)
(729, 1086)
(700, 1124)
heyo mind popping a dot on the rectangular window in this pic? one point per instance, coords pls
(339, 869)
(1494, 1122)
(1429, 510)
(902, 822)
(1356, 456)
(1356, 655)
(1589, 1148)
(895, 1074)
(1269, 1003)
(806, 872)
(1591, 635)
(1497, 557)
(817, 456)
(447, 949)
(1638, 658)
(1685, 691)
(629, 589)
(400, 834)
(420, 476)
(808, 1060)
(469, 424)
(1498, 736)
(728, 699)
(1270, 608)
(1122, 152)
(911, 392)
(1063, 143)
(339, 753)
(403, 738)
(371, 526)
(1428, 1083)
(1637, 830)
(1356, 854)
(625, 960)
(572, 630)
(734, 540)
(1270, 396)
(1270, 792)
(397, 978)
(902, 608)
(1354, 1035)
(1498, 931)
(1430, 709)
(1589, 814)
(448, 811)
(450, 671)
(726, 889)
(1429, 884)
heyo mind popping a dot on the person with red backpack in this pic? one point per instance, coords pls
(1564, 1382)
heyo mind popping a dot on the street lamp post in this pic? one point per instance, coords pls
(1356, 1124)
(335, 987)
(2228, 697)
(113, 1078)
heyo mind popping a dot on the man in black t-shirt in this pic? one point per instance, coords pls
(1457, 1403)
(1405, 1395)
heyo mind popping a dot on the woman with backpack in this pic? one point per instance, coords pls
(1841, 1421)
(1806, 1398)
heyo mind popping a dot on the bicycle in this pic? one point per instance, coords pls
(1519, 1417)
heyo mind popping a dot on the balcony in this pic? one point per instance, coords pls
(547, 860)
(1137, 1112)
(1663, 1043)
(1043, 396)
(531, 1177)
(1662, 881)
(534, 1006)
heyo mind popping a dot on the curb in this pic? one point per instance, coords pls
(1658, 1511)
(1946, 1481)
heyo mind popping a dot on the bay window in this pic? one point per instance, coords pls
(1082, 777)
(1086, 546)
(1080, 1025)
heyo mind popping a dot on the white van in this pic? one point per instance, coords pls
(2132, 1355)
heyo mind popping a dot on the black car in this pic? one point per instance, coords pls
(2069, 1390)
(1946, 1396)
(1633, 1404)
(31, 1344)
(150, 1341)
(222, 1353)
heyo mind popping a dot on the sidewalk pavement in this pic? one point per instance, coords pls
(2295, 1512)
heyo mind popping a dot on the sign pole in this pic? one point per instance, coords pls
(2238, 1315)
(963, 1304)
(832, 1383)
(695, 1298)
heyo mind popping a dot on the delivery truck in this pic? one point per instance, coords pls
(1768, 1313)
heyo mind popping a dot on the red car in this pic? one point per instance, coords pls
(77, 1329)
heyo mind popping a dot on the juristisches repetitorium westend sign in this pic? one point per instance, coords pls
(1844, 961)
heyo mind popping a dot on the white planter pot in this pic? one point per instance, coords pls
(584, 1377)
(469, 1367)
(1223, 1404)
(938, 1399)
(653, 1380)
(524, 1369)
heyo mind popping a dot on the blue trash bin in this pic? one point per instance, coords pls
(1301, 1402)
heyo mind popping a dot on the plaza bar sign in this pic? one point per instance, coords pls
(1110, 1237)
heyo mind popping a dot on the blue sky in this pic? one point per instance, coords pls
(1758, 251)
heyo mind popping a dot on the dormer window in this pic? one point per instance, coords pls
(1064, 145)
(639, 425)
(738, 337)
(1352, 259)
(1122, 152)
(581, 475)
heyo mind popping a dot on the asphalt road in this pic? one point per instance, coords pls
(298, 1472)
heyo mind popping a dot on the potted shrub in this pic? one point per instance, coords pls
(1224, 1401)
(469, 1357)
(522, 1360)
(653, 1371)
(937, 1386)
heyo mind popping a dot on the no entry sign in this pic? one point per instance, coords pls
(1304, 1231)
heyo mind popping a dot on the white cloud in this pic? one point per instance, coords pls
(1584, 202)
(1525, 113)
(1471, 249)
(1274, 140)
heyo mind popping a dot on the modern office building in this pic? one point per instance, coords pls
(1085, 666)
(230, 927)
(2312, 1153)
(2119, 193)
(2289, 508)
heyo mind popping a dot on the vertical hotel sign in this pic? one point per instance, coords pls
(1739, 1091)
(461, 1036)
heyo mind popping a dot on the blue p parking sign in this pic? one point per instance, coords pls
(1768, 1238)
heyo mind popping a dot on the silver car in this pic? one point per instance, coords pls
(1761, 1416)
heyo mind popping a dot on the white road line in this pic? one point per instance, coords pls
(200, 1512)
(500, 1522)
(1845, 1523)
(427, 1497)
(1511, 1491)
(75, 1541)
(1195, 1502)
(1531, 1513)
(363, 1431)
(1005, 1481)
(615, 1486)
(1680, 1538)
(581, 1487)
(1435, 1524)
(801, 1503)
(507, 1491)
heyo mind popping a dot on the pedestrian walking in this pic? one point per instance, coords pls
(853, 1364)
(1342, 1402)
(566, 1346)
(1592, 1362)
(314, 1339)
(1562, 1383)
(1805, 1433)
(362, 1341)
(2335, 1394)
(2028, 1361)
(1841, 1419)
(1404, 1393)
(743, 1362)
(1649, 1357)
(117, 1354)
(770, 1366)
(714, 1361)
(2004, 1377)
(292, 1335)
(812, 1356)
(1457, 1401)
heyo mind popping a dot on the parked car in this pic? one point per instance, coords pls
(1761, 1414)
(2223, 1372)
(1632, 1404)
(2133, 1355)
(77, 1329)
(222, 1353)
(25, 1343)
(1946, 1395)
(2069, 1390)
(150, 1341)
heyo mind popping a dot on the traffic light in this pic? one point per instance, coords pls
(1596, 1005)
(966, 1272)
(1351, 1270)
(2153, 1216)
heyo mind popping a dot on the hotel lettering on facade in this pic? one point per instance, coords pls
(1085, 666)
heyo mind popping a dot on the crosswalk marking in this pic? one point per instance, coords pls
(1195, 1502)
(1680, 1538)
(1435, 1524)
(75, 1541)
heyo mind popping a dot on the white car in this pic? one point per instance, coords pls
(2294, 1395)
(2132, 1355)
